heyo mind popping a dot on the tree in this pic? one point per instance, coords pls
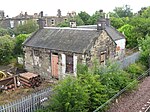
(28, 27)
(96, 91)
(128, 31)
(142, 25)
(145, 49)
(6, 49)
(117, 22)
(3, 32)
(18, 50)
(93, 19)
(125, 11)
(146, 13)
(84, 16)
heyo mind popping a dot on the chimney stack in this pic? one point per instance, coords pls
(25, 15)
(101, 23)
(41, 14)
(59, 13)
(73, 24)
(41, 21)
(107, 20)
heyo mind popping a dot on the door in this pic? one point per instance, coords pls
(69, 63)
(54, 65)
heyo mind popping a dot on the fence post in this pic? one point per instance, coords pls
(32, 98)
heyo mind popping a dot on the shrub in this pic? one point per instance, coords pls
(69, 96)
(135, 70)
(96, 91)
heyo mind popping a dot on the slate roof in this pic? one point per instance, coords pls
(111, 31)
(64, 39)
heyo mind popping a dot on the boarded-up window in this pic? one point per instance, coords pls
(69, 64)
(102, 57)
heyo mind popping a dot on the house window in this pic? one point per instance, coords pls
(102, 57)
(18, 22)
(52, 22)
(11, 23)
(69, 63)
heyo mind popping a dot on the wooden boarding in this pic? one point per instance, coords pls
(28, 75)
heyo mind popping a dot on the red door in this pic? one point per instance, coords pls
(54, 65)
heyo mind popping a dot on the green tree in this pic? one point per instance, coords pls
(6, 49)
(3, 32)
(96, 91)
(117, 22)
(93, 19)
(125, 11)
(84, 16)
(142, 26)
(146, 13)
(145, 49)
(28, 27)
(128, 31)
(18, 50)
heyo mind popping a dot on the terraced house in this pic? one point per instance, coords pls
(54, 52)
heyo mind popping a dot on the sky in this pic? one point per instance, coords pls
(50, 7)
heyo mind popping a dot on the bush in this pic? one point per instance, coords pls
(69, 96)
(82, 69)
(115, 81)
(135, 70)
(96, 91)
(6, 49)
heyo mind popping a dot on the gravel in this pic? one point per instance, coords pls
(133, 101)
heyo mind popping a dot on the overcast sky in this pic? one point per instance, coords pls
(14, 7)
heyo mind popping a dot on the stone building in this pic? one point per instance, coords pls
(50, 21)
(55, 52)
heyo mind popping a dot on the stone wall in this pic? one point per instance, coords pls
(41, 63)
(103, 44)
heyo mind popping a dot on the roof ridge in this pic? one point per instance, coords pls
(68, 28)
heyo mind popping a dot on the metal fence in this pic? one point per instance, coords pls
(29, 103)
(100, 108)
(125, 62)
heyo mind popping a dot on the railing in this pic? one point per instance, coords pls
(122, 91)
(29, 103)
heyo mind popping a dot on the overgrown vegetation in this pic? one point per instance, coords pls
(93, 87)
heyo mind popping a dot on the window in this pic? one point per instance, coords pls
(69, 63)
(102, 57)
(11, 23)
(52, 21)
